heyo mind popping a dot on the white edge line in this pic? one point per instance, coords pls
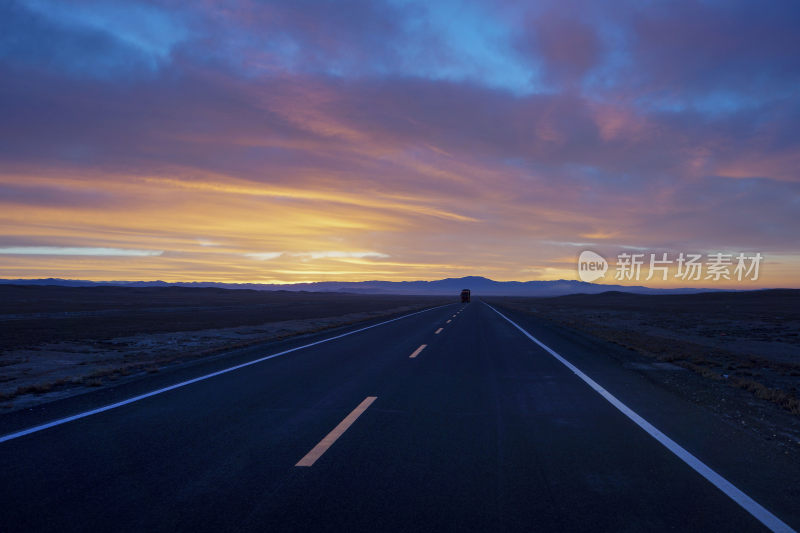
(769, 520)
(60, 421)
(328, 440)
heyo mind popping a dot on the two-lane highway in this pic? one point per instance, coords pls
(447, 420)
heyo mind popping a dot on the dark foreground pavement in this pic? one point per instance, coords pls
(482, 431)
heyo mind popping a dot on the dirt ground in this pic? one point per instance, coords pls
(59, 341)
(742, 349)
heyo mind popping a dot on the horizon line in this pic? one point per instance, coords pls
(612, 286)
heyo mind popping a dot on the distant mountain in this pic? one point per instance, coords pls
(480, 286)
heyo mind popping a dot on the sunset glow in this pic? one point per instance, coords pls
(286, 142)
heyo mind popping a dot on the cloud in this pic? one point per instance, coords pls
(566, 46)
(451, 138)
(334, 254)
(76, 250)
(341, 255)
(715, 55)
(56, 195)
(264, 256)
(99, 39)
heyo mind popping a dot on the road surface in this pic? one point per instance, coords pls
(451, 419)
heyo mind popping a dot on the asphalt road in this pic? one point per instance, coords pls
(482, 430)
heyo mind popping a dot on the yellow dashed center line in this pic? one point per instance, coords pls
(317, 451)
(417, 351)
(439, 331)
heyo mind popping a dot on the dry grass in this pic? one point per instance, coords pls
(786, 400)
(118, 360)
(770, 380)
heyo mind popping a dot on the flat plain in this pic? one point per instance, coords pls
(735, 353)
(57, 341)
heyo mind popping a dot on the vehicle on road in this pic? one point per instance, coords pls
(465, 296)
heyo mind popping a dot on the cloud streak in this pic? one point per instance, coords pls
(77, 251)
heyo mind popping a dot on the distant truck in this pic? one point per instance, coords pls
(465, 296)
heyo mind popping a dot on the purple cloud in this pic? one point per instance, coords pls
(633, 125)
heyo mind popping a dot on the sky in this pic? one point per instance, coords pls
(279, 142)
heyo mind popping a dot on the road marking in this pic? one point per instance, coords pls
(60, 421)
(417, 351)
(317, 451)
(438, 331)
(772, 522)
(449, 321)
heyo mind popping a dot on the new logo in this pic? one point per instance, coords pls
(591, 266)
